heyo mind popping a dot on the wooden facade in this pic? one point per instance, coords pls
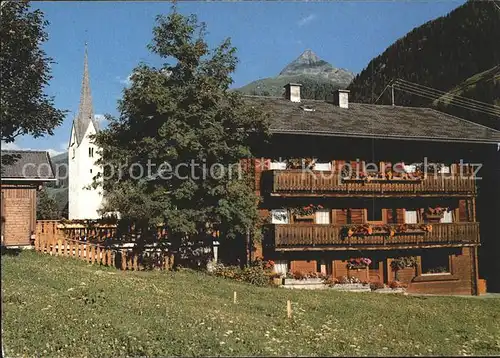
(23, 173)
(18, 213)
(445, 249)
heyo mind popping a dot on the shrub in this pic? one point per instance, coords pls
(231, 272)
(376, 286)
(344, 280)
(299, 275)
(330, 281)
(397, 284)
(256, 275)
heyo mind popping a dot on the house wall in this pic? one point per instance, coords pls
(459, 281)
(83, 203)
(305, 266)
(18, 212)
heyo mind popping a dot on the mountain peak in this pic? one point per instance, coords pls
(308, 56)
(308, 69)
(308, 63)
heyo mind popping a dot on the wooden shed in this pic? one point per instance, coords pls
(23, 173)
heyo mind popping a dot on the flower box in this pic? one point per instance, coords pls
(277, 281)
(306, 281)
(304, 217)
(434, 216)
(351, 287)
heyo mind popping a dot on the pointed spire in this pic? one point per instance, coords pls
(85, 114)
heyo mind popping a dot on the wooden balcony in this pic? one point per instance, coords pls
(315, 237)
(296, 182)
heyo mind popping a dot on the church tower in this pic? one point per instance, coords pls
(83, 203)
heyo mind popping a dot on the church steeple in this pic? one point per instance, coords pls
(85, 114)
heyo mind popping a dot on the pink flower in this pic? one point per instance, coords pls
(366, 261)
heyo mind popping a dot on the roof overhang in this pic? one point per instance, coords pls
(393, 137)
(28, 179)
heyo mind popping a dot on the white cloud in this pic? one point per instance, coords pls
(63, 146)
(9, 146)
(13, 146)
(306, 20)
(125, 81)
(99, 118)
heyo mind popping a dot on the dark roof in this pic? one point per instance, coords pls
(26, 164)
(370, 121)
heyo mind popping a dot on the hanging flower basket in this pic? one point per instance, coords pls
(359, 263)
(299, 163)
(427, 228)
(400, 263)
(306, 211)
(383, 230)
(435, 213)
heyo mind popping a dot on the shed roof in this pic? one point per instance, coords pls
(26, 165)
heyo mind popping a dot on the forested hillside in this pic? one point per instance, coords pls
(441, 54)
(484, 87)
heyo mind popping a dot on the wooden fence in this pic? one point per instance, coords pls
(52, 239)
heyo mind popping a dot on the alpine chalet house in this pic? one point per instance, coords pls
(382, 193)
(23, 172)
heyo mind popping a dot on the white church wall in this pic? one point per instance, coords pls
(86, 201)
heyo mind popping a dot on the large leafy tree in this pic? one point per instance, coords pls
(183, 113)
(24, 72)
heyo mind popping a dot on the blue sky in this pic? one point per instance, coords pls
(267, 36)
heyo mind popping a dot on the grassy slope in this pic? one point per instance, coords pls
(58, 306)
(489, 76)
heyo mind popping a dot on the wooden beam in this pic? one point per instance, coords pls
(371, 248)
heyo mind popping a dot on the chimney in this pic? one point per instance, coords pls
(341, 98)
(292, 92)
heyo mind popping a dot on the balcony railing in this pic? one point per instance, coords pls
(301, 237)
(296, 182)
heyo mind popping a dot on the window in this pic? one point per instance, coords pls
(374, 213)
(447, 217)
(324, 266)
(326, 167)
(91, 152)
(392, 216)
(280, 216)
(410, 217)
(410, 168)
(445, 169)
(73, 154)
(277, 165)
(281, 267)
(90, 171)
(435, 261)
(322, 216)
